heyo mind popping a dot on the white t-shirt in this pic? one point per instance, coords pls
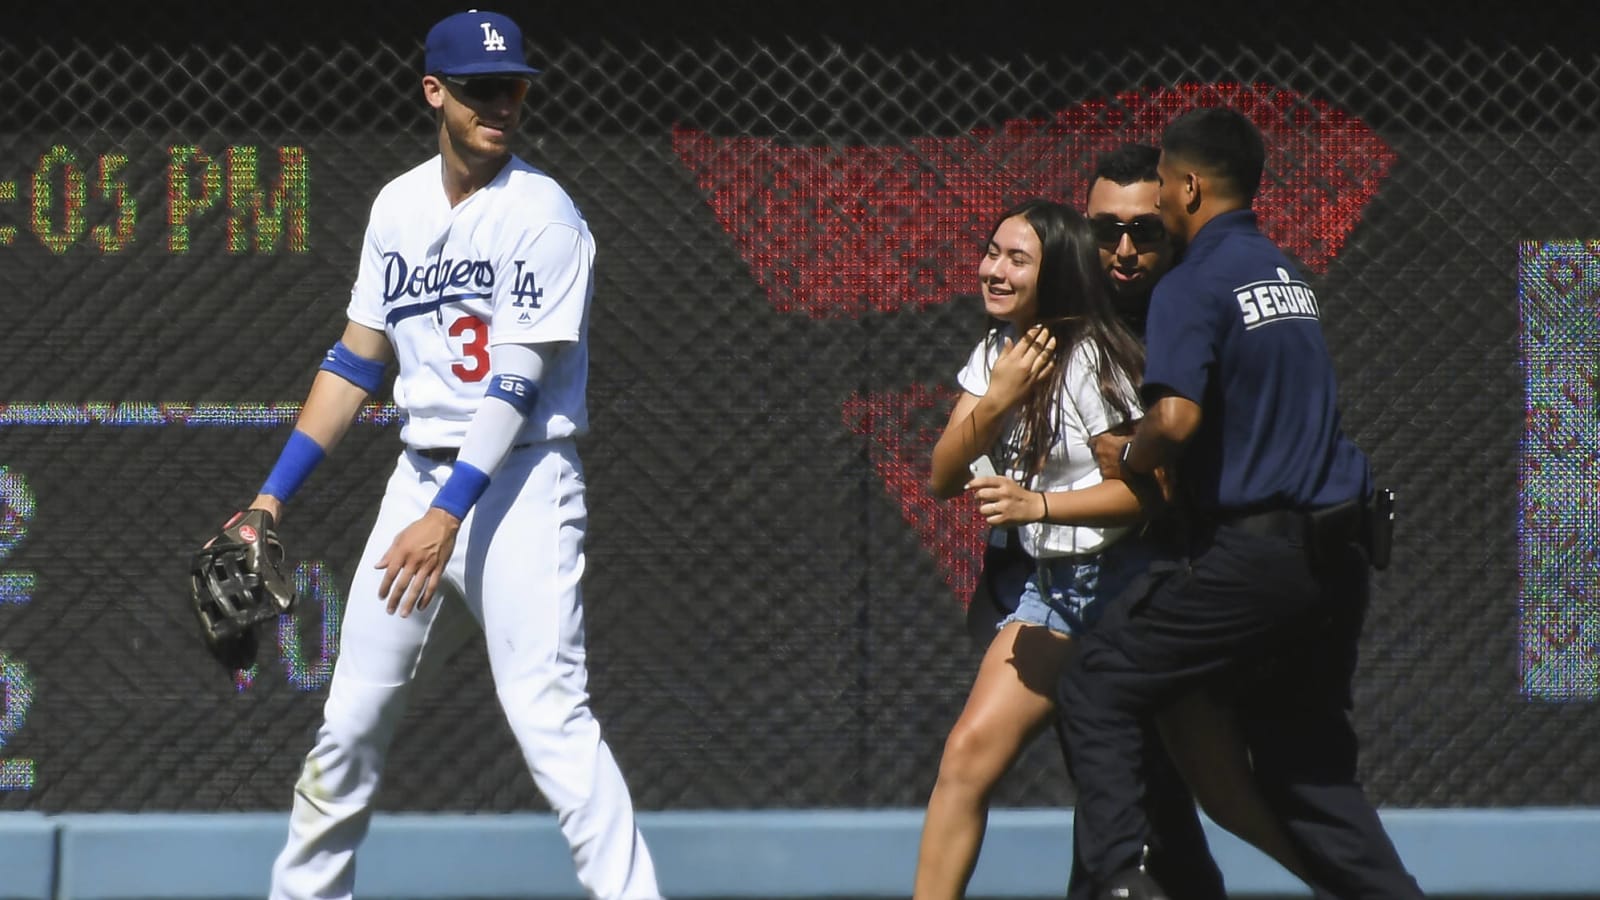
(511, 264)
(1082, 413)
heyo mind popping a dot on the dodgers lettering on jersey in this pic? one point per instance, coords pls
(1263, 302)
(510, 264)
(402, 280)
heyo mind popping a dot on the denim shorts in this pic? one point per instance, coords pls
(1076, 588)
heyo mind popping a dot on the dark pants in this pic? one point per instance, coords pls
(1180, 859)
(1179, 855)
(1246, 604)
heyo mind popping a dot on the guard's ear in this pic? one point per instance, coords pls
(1194, 188)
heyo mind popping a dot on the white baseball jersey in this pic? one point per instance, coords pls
(1081, 414)
(511, 264)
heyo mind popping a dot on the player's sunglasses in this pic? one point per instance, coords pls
(484, 88)
(1144, 230)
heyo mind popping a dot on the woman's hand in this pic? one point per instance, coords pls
(1004, 502)
(1021, 365)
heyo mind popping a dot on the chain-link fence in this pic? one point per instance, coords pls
(788, 225)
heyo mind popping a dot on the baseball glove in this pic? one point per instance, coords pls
(238, 581)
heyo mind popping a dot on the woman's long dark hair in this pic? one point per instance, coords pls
(1075, 304)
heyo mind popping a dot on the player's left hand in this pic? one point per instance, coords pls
(1004, 502)
(414, 563)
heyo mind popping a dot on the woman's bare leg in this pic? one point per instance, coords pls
(1011, 700)
(1204, 742)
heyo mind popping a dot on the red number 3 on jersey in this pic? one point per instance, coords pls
(475, 349)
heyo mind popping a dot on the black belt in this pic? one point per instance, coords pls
(449, 454)
(1289, 523)
(1341, 520)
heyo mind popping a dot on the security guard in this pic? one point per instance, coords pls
(1241, 400)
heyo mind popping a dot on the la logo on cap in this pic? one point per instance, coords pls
(491, 38)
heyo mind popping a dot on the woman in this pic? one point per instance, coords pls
(1056, 370)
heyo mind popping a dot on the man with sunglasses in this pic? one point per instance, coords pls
(476, 276)
(1135, 253)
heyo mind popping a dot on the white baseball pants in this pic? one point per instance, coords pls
(516, 568)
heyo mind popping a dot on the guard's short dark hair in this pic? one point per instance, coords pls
(1128, 164)
(1223, 142)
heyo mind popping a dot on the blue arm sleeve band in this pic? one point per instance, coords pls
(521, 393)
(465, 485)
(300, 455)
(364, 373)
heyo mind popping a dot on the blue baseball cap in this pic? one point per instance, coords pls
(475, 43)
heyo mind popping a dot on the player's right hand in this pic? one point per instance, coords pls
(1022, 364)
(414, 564)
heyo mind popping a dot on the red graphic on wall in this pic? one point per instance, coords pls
(838, 231)
(901, 444)
(842, 231)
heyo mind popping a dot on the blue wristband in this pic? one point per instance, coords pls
(364, 373)
(465, 485)
(522, 393)
(300, 455)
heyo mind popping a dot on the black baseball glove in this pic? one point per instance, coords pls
(237, 581)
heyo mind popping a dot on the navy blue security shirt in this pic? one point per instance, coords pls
(1234, 328)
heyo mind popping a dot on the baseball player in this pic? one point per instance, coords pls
(476, 276)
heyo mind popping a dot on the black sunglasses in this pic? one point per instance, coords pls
(1144, 230)
(484, 88)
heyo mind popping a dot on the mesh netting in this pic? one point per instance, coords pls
(788, 224)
